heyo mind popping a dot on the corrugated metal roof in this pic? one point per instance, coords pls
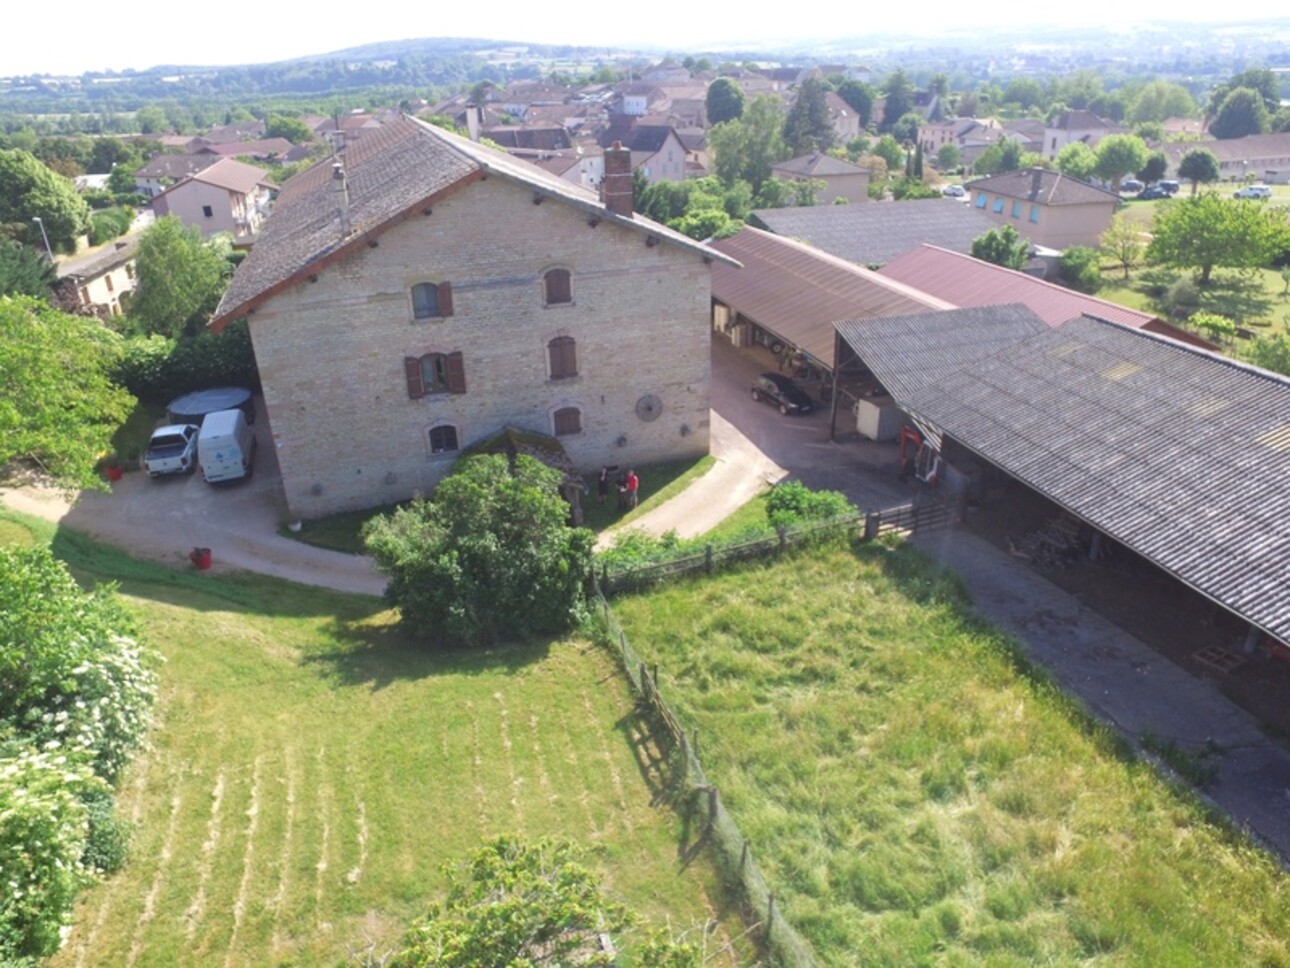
(799, 293)
(907, 353)
(971, 282)
(1179, 454)
(872, 234)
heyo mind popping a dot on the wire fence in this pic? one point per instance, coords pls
(720, 832)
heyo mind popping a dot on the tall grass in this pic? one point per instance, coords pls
(916, 793)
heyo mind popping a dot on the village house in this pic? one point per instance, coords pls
(101, 282)
(1074, 126)
(656, 149)
(420, 293)
(1262, 157)
(1046, 207)
(163, 171)
(841, 178)
(229, 196)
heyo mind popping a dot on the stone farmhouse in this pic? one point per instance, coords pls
(419, 293)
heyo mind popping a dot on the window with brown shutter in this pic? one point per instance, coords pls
(563, 353)
(431, 300)
(435, 373)
(445, 298)
(558, 286)
(568, 420)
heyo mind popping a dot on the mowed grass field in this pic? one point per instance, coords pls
(312, 767)
(915, 795)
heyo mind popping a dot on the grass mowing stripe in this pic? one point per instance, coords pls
(193, 916)
(248, 858)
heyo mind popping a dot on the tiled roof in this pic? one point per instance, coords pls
(799, 293)
(265, 148)
(1253, 148)
(552, 138)
(638, 137)
(175, 166)
(1079, 120)
(873, 234)
(1178, 454)
(232, 175)
(971, 282)
(97, 263)
(907, 353)
(818, 165)
(390, 171)
(1044, 186)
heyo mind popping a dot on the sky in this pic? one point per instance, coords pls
(145, 33)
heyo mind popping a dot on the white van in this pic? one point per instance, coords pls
(225, 447)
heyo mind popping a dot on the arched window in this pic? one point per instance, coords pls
(443, 440)
(563, 354)
(557, 286)
(568, 420)
(434, 373)
(431, 300)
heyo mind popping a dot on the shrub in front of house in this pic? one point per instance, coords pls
(157, 369)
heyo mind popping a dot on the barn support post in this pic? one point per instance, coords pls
(1251, 641)
(1095, 546)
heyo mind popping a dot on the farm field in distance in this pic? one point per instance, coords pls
(313, 768)
(915, 792)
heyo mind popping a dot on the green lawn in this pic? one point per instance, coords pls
(915, 796)
(1255, 299)
(313, 767)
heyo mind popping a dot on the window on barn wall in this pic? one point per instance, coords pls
(998, 206)
(568, 420)
(434, 373)
(443, 440)
(563, 355)
(431, 300)
(557, 287)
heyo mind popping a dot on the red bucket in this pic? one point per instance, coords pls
(201, 558)
(113, 472)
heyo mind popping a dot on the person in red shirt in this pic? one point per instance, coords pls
(633, 485)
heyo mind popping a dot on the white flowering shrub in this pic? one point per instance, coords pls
(43, 829)
(76, 696)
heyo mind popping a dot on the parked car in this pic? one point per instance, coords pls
(1155, 191)
(1169, 185)
(1253, 191)
(777, 389)
(172, 450)
(954, 191)
(1131, 185)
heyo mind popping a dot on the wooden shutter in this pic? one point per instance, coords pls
(564, 357)
(445, 299)
(416, 383)
(456, 372)
(559, 288)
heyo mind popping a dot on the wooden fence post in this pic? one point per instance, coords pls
(779, 529)
(743, 857)
(707, 558)
(872, 522)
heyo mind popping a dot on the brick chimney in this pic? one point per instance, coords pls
(340, 188)
(616, 188)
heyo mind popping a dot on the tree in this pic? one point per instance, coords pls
(518, 903)
(948, 157)
(746, 147)
(1198, 165)
(1002, 246)
(293, 129)
(1154, 169)
(725, 101)
(890, 151)
(1258, 79)
(151, 120)
(1025, 93)
(489, 555)
(859, 96)
(1119, 155)
(807, 127)
(1078, 268)
(900, 99)
(109, 152)
(121, 181)
(58, 408)
(1243, 112)
(1077, 160)
(1271, 353)
(1160, 100)
(905, 128)
(29, 190)
(180, 279)
(1207, 232)
(1123, 241)
(24, 271)
(1004, 155)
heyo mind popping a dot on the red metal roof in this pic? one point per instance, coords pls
(798, 292)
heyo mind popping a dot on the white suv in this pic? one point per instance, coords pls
(1253, 191)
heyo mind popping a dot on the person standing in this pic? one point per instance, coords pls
(633, 485)
(602, 485)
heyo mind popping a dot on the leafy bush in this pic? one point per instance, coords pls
(489, 555)
(1218, 328)
(792, 502)
(1181, 298)
(1079, 270)
(157, 369)
(44, 825)
(108, 224)
(107, 840)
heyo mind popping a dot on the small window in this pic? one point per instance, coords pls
(980, 200)
(568, 420)
(208, 211)
(563, 354)
(108, 280)
(434, 373)
(997, 208)
(431, 300)
(1034, 213)
(1016, 210)
(443, 440)
(557, 286)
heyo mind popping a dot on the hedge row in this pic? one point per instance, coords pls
(156, 369)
